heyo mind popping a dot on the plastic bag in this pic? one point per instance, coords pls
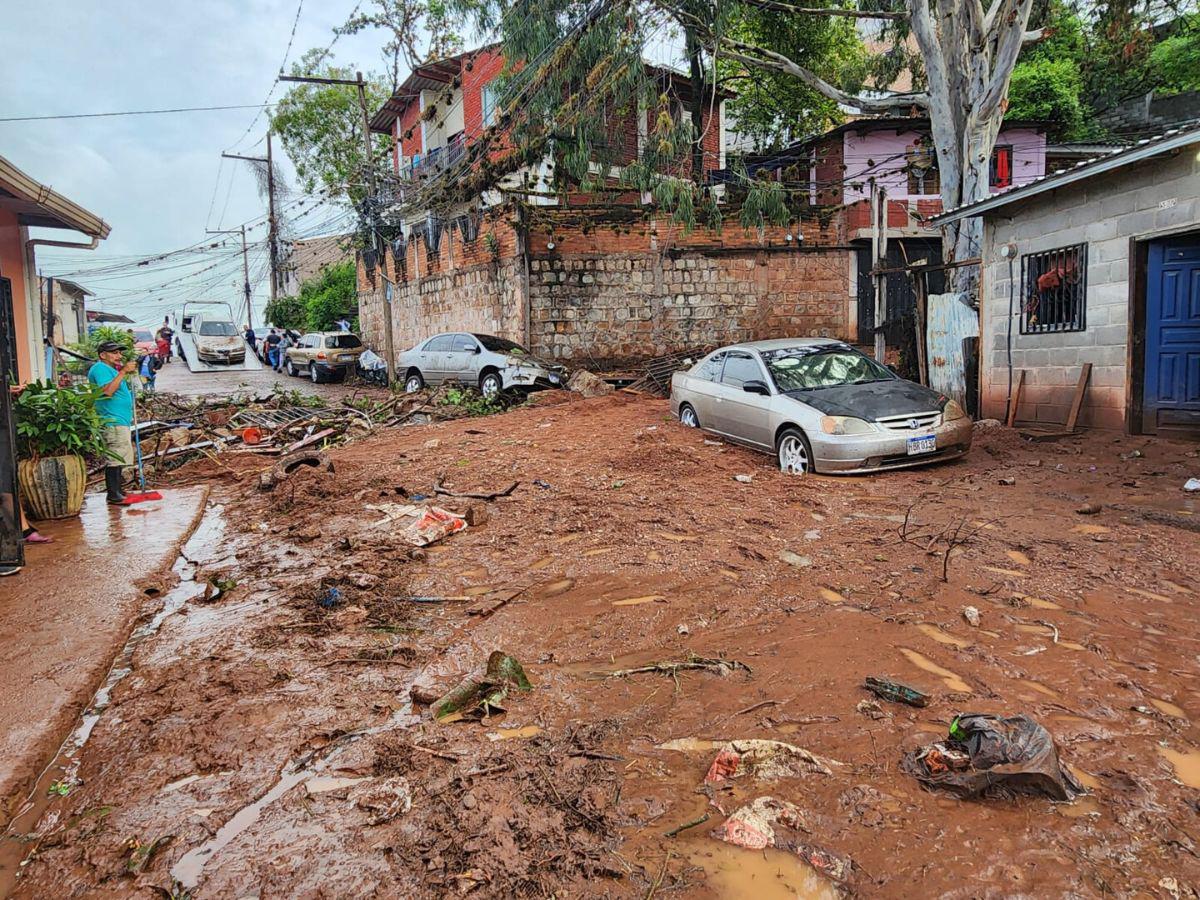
(1013, 753)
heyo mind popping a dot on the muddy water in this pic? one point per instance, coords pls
(1186, 765)
(1169, 708)
(943, 637)
(953, 681)
(63, 769)
(734, 873)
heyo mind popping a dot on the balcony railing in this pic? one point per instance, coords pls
(436, 160)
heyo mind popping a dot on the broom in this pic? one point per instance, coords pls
(144, 495)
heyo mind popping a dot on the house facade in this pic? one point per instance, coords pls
(1096, 265)
(68, 302)
(306, 258)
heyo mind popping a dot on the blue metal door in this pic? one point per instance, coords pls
(1171, 392)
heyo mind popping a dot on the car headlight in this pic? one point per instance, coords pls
(845, 425)
(952, 411)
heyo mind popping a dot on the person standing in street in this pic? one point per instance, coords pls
(166, 333)
(272, 340)
(116, 412)
(251, 339)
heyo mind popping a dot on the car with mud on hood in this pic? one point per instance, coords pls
(493, 364)
(217, 339)
(819, 405)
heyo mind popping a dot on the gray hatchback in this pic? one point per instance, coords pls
(491, 363)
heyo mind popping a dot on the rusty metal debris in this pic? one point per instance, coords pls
(656, 374)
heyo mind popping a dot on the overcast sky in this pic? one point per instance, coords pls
(152, 178)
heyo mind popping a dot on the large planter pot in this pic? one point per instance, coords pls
(52, 487)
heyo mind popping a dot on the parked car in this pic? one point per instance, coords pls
(218, 340)
(144, 342)
(324, 355)
(819, 406)
(492, 363)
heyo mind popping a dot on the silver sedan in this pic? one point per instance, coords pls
(819, 406)
(493, 364)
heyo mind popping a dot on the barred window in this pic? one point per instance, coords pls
(1054, 290)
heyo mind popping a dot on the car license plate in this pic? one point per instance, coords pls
(925, 443)
(345, 357)
(554, 379)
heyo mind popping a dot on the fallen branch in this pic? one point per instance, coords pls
(450, 757)
(1051, 626)
(439, 488)
(720, 666)
(686, 825)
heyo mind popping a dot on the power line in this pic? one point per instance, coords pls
(134, 112)
(274, 84)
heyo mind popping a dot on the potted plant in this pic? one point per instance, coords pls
(56, 429)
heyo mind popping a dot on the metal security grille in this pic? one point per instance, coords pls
(1054, 290)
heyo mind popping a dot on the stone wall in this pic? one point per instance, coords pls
(1108, 213)
(608, 289)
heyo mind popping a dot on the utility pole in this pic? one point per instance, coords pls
(272, 237)
(879, 223)
(245, 268)
(368, 210)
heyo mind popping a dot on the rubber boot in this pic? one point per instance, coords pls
(112, 481)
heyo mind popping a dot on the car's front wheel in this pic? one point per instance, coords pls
(793, 452)
(688, 417)
(413, 383)
(490, 385)
(292, 370)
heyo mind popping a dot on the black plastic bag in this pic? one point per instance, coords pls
(1013, 754)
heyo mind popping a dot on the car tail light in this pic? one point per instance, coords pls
(320, 356)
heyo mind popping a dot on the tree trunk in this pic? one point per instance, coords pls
(696, 72)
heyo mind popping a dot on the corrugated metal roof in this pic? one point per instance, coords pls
(1087, 168)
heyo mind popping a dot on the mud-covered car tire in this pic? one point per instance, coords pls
(793, 453)
(292, 370)
(688, 417)
(413, 382)
(491, 384)
(314, 374)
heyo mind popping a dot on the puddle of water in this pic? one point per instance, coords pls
(479, 590)
(508, 734)
(654, 556)
(1150, 595)
(202, 546)
(1038, 686)
(690, 744)
(597, 551)
(191, 865)
(678, 538)
(472, 574)
(1030, 628)
(1018, 557)
(182, 782)
(953, 681)
(729, 573)
(323, 784)
(1149, 629)
(738, 874)
(831, 596)
(1011, 573)
(943, 637)
(1071, 645)
(542, 563)
(1037, 603)
(1166, 706)
(1083, 808)
(637, 601)
(1187, 765)
(1177, 588)
(1089, 781)
(1091, 529)
(554, 588)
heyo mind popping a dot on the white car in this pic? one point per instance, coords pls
(493, 364)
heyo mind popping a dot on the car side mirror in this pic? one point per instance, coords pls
(756, 387)
(477, 349)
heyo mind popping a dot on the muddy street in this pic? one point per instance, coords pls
(273, 737)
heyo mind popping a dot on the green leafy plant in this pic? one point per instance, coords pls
(54, 421)
(59, 789)
(473, 402)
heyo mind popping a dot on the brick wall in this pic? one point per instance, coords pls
(478, 69)
(1106, 213)
(616, 290)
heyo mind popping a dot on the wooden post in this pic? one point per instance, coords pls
(879, 218)
(921, 288)
(1077, 403)
(1016, 399)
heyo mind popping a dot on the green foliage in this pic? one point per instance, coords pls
(1049, 90)
(1175, 62)
(54, 421)
(472, 402)
(285, 312)
(321, 129)
(421, 30)
(330, 295)
(772, 109)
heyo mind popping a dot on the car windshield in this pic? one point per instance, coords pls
(343, 342)
(500, 345)
(806, 368)
(218, 329)
(142, 336)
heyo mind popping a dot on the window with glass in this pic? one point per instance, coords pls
(710, 369)
(464, 343)
(439, 344)
(807, 369)
(740, 368)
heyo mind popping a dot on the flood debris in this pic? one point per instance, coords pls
(587, 385)
(770, 822)
(971, 614)
(765, 759)
(481, 697)
(277, 474)
(433, 524)
(987, 755)
(895, 691)
(722, 667)
(1192, 485)
(383, 800)
(439, 487)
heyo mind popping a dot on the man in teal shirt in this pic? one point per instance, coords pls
(116, 412)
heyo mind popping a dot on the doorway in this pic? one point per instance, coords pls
(1171, 374)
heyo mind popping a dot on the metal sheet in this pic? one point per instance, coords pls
(950, 321)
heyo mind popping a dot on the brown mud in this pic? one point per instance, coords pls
(265, 745)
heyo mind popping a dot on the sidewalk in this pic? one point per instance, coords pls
(66, 614)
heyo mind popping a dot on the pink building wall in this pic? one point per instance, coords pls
(881, 155)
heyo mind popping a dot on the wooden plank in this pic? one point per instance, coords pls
(1077, 403)
(1016, 398)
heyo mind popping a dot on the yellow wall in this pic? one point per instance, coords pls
(12, 266)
